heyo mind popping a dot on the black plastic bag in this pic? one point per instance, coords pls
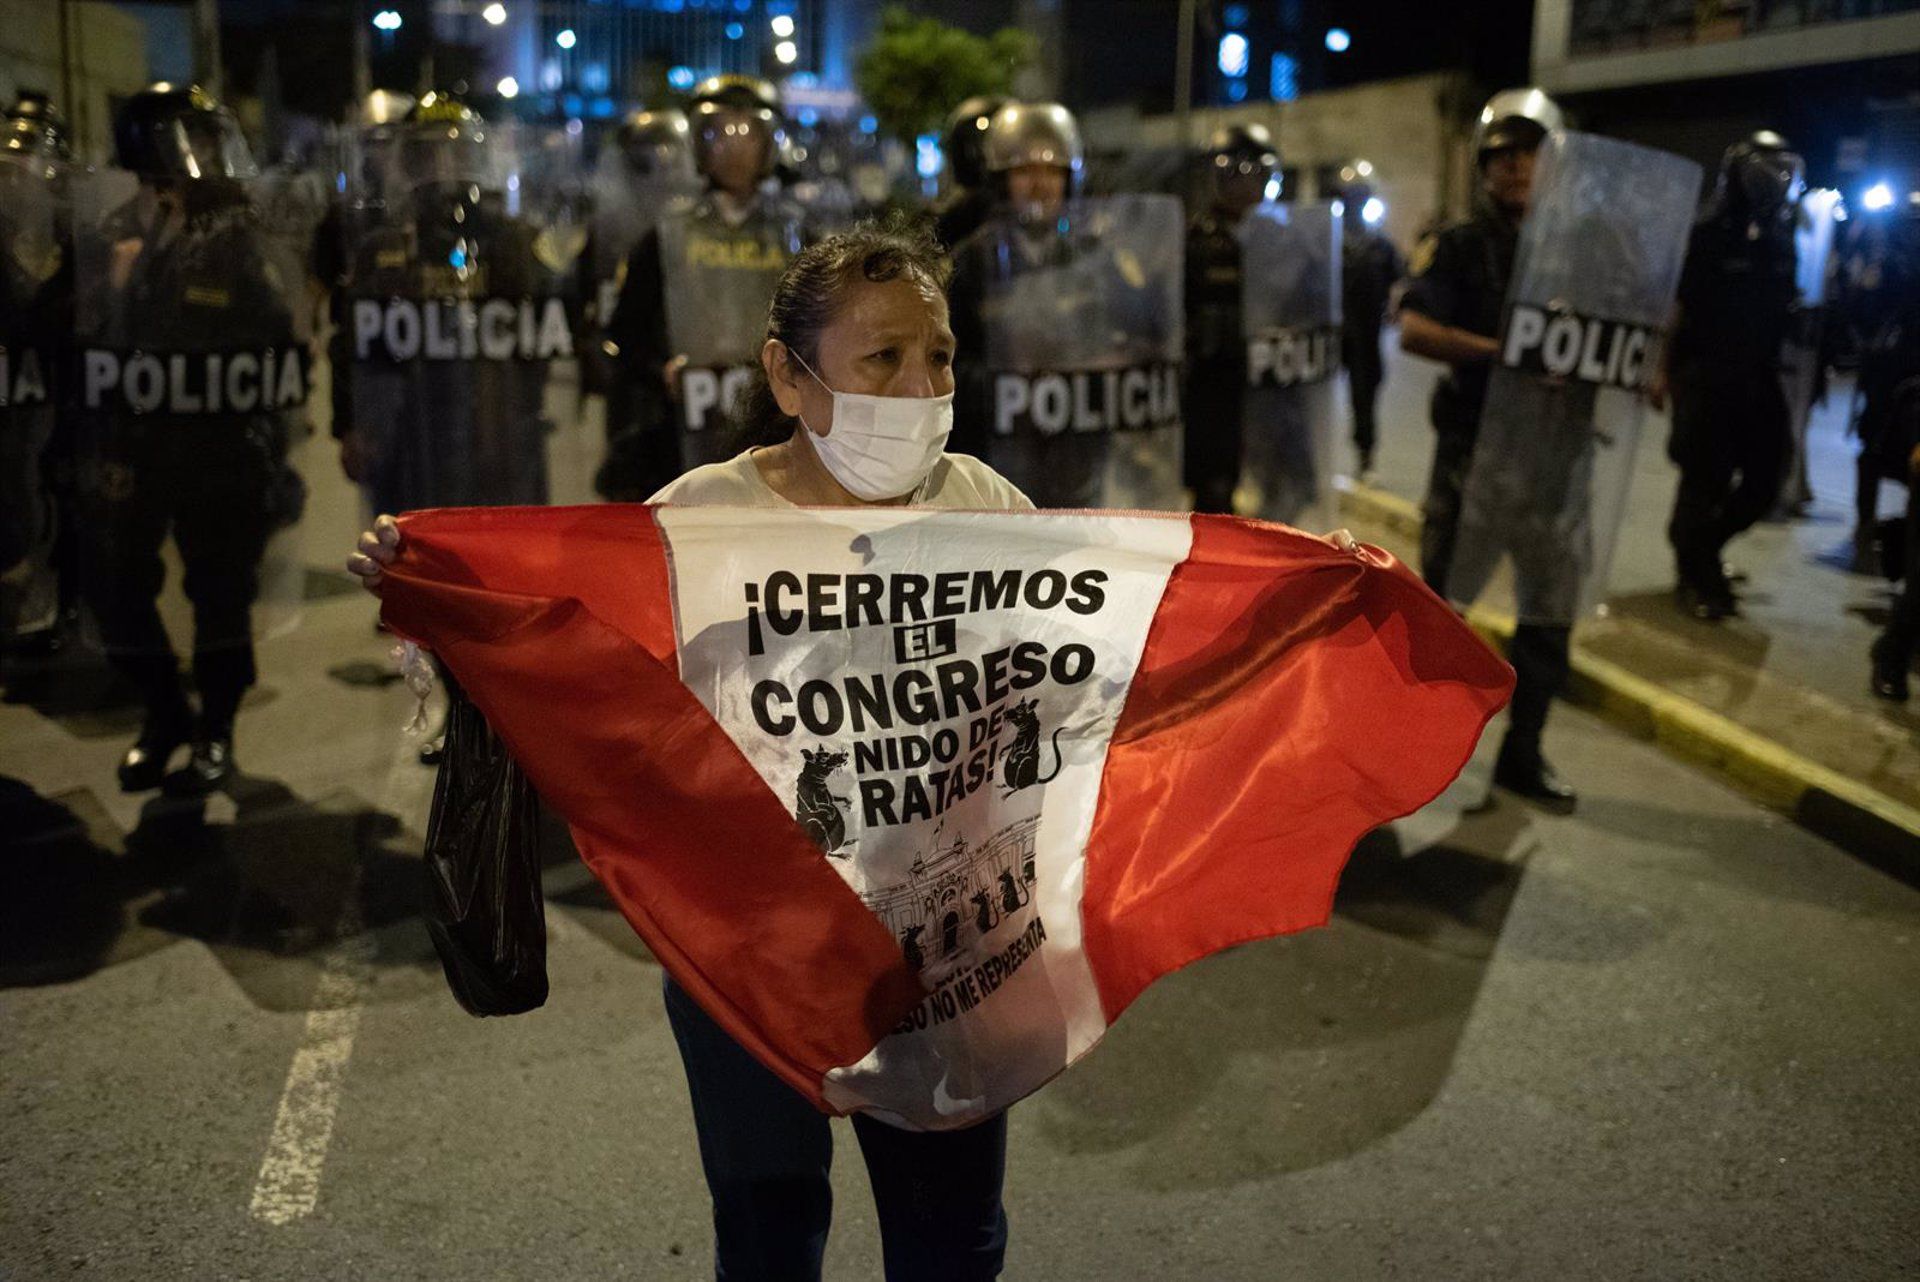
(486, 913)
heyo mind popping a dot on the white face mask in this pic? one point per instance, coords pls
(881, 446)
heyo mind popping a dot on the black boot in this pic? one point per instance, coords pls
(168, 724)
(1890, 664)
(1521, 770)
(1705, 592)
(145, 764)
(211, 765)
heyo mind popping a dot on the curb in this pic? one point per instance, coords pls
(1861, 820)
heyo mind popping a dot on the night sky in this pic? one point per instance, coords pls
(1116, 51)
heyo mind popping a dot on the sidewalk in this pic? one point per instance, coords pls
(1776, 700)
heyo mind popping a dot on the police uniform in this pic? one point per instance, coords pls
(1216, 361)
(1459, 278)
(1890, 378)
(1732, 436)
(644, 453)
(454, 431)
(36, 292)
(218, 482)
(1369, 267)
(697, 286)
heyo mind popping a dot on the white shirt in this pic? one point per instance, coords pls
(957, 481)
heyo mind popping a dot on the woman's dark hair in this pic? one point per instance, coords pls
(816, 285)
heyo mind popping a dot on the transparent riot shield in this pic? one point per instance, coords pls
(1083, 333)
(34, 288)
(718, 280)
(456, 324)
(1593, 285)
(1816, 223)
(629, 194)
(1290, 256)
(193, 365)
(551, 191)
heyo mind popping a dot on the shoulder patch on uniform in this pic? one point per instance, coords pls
(1423, 254)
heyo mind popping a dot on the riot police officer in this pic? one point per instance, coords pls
(192, 363)
(970, 197)
(1240, 161)
(1732, 437)
(454, 324)
(35, 297)
(692, 313)
(1890, 426)
(363, 160)
(34, 113)
(1451, 312)
(647, 164)
(1369, 268)
(1032, 161)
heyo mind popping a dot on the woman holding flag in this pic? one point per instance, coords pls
(1231, 704)
(853, 407)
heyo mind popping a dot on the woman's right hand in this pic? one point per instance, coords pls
(378, 547)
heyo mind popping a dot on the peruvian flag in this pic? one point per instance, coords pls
(915, 802)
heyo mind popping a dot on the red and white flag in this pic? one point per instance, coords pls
(915, 802)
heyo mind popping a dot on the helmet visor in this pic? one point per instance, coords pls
(440, 153)
(201, 145)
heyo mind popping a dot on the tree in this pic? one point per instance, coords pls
(918, 69)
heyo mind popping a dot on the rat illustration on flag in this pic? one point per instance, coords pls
(915, 802)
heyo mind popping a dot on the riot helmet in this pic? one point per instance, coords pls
(444, 141)
(443, 153)
(386, 107)
(1354, 184)
(654, 144)
(1034, 154)
(1241, 160)
(965, 141)
(1515, 118)
(1761, 177)
(34, 113)
(1510, 130)
(28, 146)
(180, 133)
(737, 125)
(32, 191)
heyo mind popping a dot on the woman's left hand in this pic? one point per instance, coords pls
(378, 547)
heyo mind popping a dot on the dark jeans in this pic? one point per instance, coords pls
(1539, 653)
(1733, 443)
(767, 1151)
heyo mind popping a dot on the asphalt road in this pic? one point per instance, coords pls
(1672, 1036)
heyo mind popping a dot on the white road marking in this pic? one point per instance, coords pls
(288, 1186)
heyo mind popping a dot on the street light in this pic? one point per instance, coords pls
(508, 87)
(495, 14)
(387, 20)
(566, 39)
(783, 26)
(1876, 198)
(1233, 54)
(787, 52)
(1338, 40)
